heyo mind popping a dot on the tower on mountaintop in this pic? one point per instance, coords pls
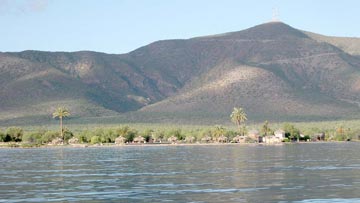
(275, 15)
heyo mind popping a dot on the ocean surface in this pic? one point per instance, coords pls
(301, 173)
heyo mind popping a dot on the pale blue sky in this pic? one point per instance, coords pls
(120, 26)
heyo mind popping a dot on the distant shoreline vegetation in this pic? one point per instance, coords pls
(126, 135)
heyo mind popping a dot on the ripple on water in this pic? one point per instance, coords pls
(337, 200)
(291, 173)
(209, 190)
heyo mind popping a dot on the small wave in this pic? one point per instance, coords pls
(336, 200)
(225, 190)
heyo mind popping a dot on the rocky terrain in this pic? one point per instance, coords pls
(272, 70)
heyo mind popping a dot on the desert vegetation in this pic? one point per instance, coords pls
(125, 134)
(156, 134)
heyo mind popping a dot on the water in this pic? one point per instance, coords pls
(301, 173)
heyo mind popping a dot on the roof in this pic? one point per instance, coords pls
(279, 131)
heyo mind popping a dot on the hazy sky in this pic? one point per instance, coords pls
(119, 26)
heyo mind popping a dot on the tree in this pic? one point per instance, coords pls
(219, 131)
(243, 130)
(61, 112)
(238, 116)
(265, 130)
(291, 132)
(2, 137)
(177, 133)
(126, 132)
(342, 134)
(13, 134)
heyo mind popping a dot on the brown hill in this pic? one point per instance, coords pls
(274, 71)
(351, 45)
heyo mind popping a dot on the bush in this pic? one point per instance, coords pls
(305, 138)
(147, 134)
(286, 140)
(95, 140)
(291, 132)
(158, 135)
(14, 134)
(203, 133)
(108, 136)
(177, 133)
(33, 138)
(2, 137)
(230, 134)
(83, 136)
(49, 136)
(126, 132)
(67, 134)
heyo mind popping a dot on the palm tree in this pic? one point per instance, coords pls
(238, 116)
(61, 112)
(265, 130)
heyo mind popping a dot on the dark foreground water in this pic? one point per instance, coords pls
(302, 173)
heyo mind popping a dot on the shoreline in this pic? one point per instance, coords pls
(164, 145)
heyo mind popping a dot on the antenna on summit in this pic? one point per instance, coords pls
(275, 15)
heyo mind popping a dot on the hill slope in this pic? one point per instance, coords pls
(350, 45)
(274, 71)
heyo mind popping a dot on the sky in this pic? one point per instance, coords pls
(120, 26)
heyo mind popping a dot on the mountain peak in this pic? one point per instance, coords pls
(267, 31)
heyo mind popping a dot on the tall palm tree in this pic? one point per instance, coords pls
(61, 112)
(238, 116)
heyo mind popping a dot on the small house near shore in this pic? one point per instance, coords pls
(206, 139)
(120, 140)
(57, 141)
(222, 139)
(172, 139)
(73, 140)
(319, 137)
(139, 139)
(280, 134)
(254, 134)
(239, 139)
(190, 139)
(271, 139)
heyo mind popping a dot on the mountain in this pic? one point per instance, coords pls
(274, 71)
(351, 45)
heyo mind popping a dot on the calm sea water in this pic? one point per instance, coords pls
(301, 173)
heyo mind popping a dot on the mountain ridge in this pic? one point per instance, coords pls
(273, 70)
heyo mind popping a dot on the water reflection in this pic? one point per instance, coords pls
(327, 172)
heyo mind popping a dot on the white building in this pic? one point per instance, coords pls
(280, 134)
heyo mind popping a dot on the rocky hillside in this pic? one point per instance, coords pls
(274, 71)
